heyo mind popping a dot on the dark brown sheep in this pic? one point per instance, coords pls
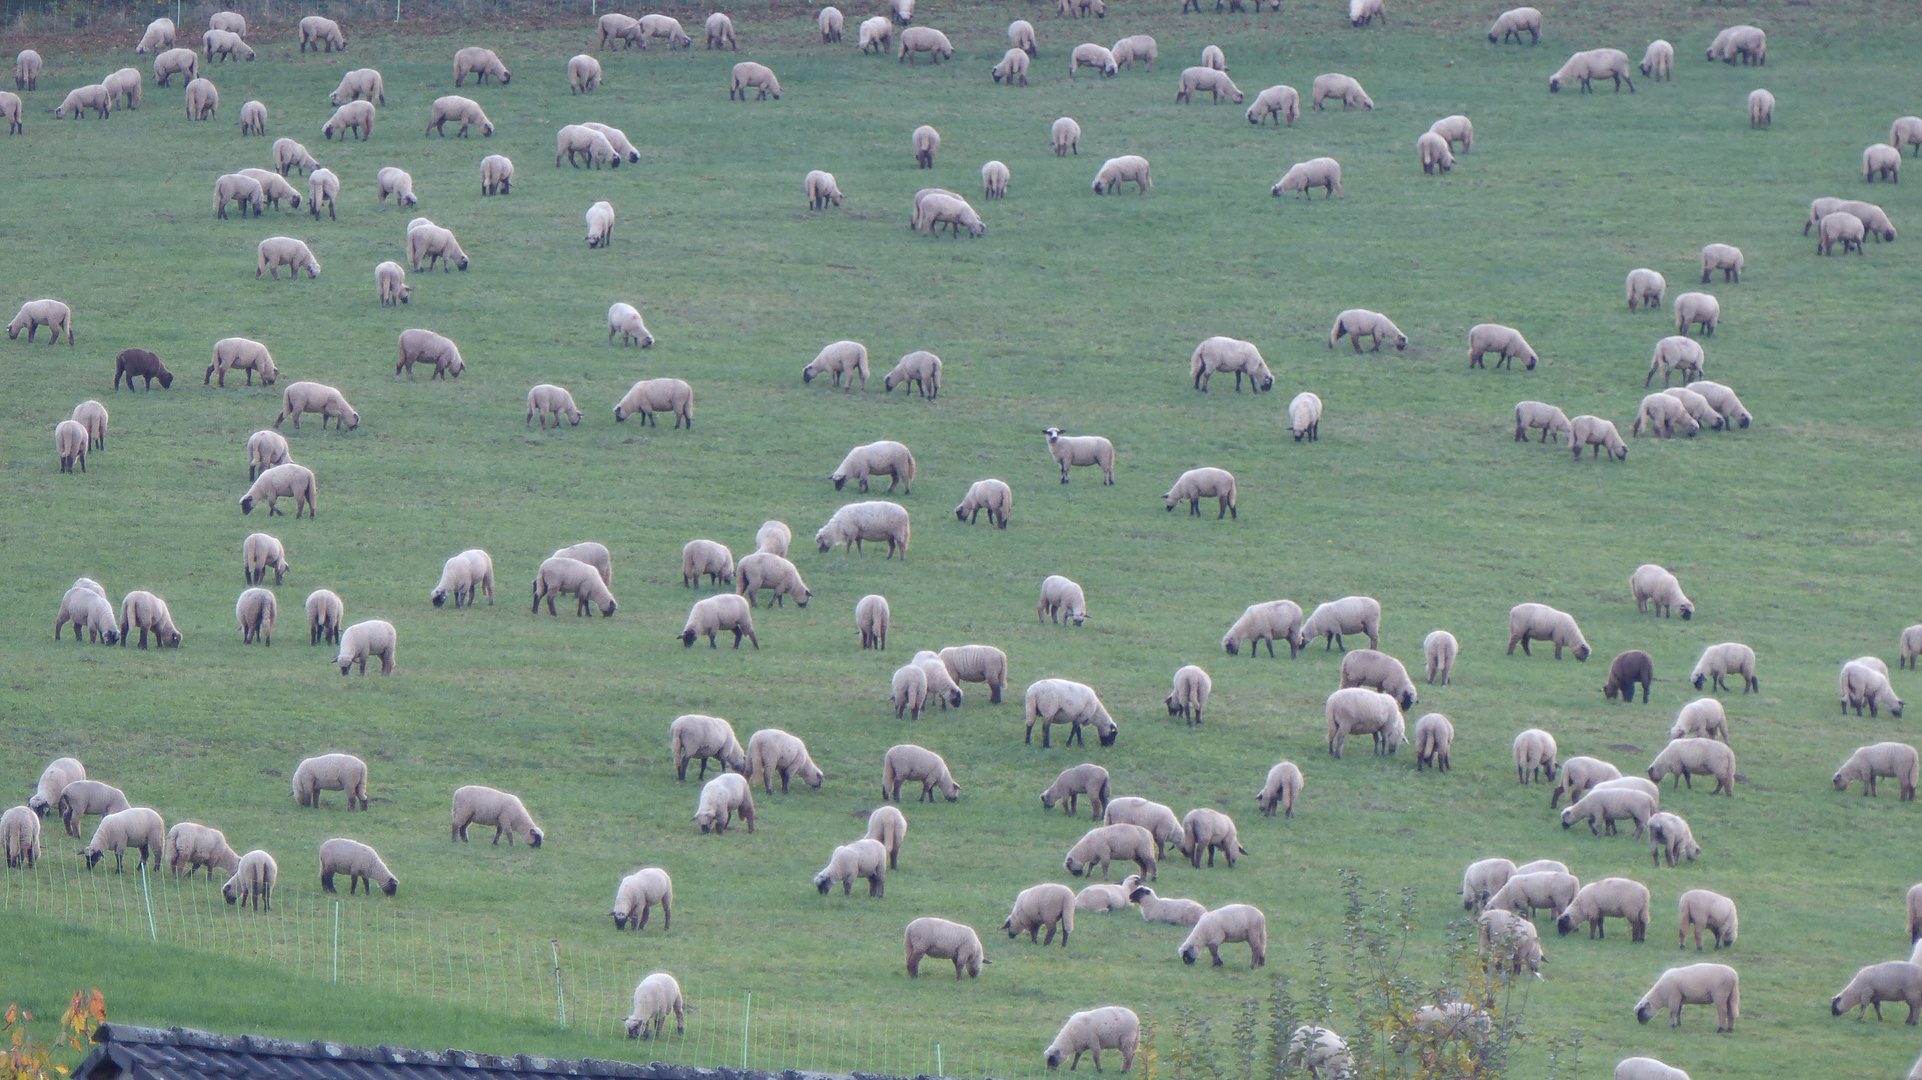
(139, 363)
(1633, 666)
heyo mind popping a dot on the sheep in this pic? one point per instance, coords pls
(26, 69)
(482, 64)
(765, 571)
(921, 368)
(1283, 103)
(466, 577)
(1304, 176)
(1649, 583)
(1361, 711)
(771, 751)
(991, 495)
(1358, 323)
(1672, 354)
(366, 640)
(1539, 622)
(877, 459)
(1910, 644)
(477, 805)
(226, 45)
(1520, 944)
(425, 346)
(1110, 1027)
(1580, 774)
(497, 175)
(324, 615)
(1669, 835)
(1483, 879)
(1210, 830)
(1688, 758)
(624, 320)
(253, 880)
(1906, 131)
(1891, 759)
(316, 31)
(1720, 661)
(1535, 752)
(1013, 66)
(600, 224)
(1840, 227)
(722, 799)
(1604, 806)
(1535, 890)
(821, 190)
(1304, 417)
(694, 736)
(1593, 64)
(863, 859)
(876, 521)
(1319, 1052)
(1593, 431)
(871, 620)
(235, 188)
(706, 557)
(1348, 615)
(937, 210)
(159, 35)
(654, 997)
(559, 575)
(123, 87)
(1895, 980)
(100, 100)
(1723, 257)
(1062, 701)
(1505, 341)
(196, 846)
(1724, 402)
(34, 314)
(1229, 354)
(356, 116)
(1746, 43)
(1627, 669)
(1191, 689)
(256, 610)
(877, 34)
(395, 182)
(306, 397)
(830, 22)
(10, 108)
(166, 66)
(1107, 843)
(1280, 789)
(20, 837)
(1046, 905)
(322, 187)
(356, 84)
(283, 481)
(1697, 308)
(82, 797)
(907, 762)
(978, 663)
(1106, 896)
(1514, 23)
(1158, 819)
(1231, 922)
(1433, 736)
(70, 442)
(1380, 671)
(1432, 151)
(93, 416)
(643, 889)
(926, 39)
(1701, 910)
(1128, 168)
(720, 32)
(1659, 61)
(1645, 288)
(135, 827)
(145, 612)
(1098, 57)
(1213, 80)
(1696, 984)
(278, 251)
(1140, 47)
(1761, 108)
(902, 11)
(1174, 912)
(361, 864)
(231, 21)
(55, 779)
(749, 75)
(1701, 718)
(468, 112)
(1020, 35)
(887, 825)
(1363, 12)
(650, 396)
(1065, 135)
(941, 685)
(939, 938)
(1086, 779)
(994, 180)
(546, 400)
(1197, 484)
(1342, 87)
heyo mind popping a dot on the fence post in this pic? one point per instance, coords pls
(747, 1016)
(147, 896)
(336, 941)
(937, 1059)
(560, 1000)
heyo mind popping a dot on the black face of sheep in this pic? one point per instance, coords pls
(1643, 1012)
(1233, 647)
(392, 887)
(228, 892)
(1564, 924)
(1054, 1059)
(1407, 700)
(534, 837)
(688, 637)
(1109, 738)
(440, 597)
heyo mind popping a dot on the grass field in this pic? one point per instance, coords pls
(1796, 535)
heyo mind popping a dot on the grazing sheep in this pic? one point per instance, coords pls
(1062, 701)
(1724, 402)
(1516, 937)
(771, 751)
(1281, 788)
(497, 175)
(877, 459)
(361, 864)
(278, 251)
(1761, 108)
(390, 280)
(655, 997)
(357, 116)
(941, 685)
(1604, 806)
(355, 85)
(1129, 168)
(1205, 483)
(1627, 669)
(230, 21)
(625, 320)
(306, 397)
(322, 187)
(1363, 12)
(1065, 136)
(20, 837)
(1895, 760)
(52, 314)
(468, 112)
(600, 224)
(100, 100)
(991, 495)
(871, 619)
(650, 396)
(547, 400)
(253, 881)
(364, 641)
(425, 346)
(1342, 87)
(1304, 417)
(1098, 57)
(1229, 354)
(1157, 818)
(1645, 288)
(821, 190)
(165, 66)
(1361, 711)
(1283, 103)
(762, 570)
(395, 182)
(848, 358)
(720, 32)
(1539, 622)
(123, 88)
(1689, 758)
(926, 39)
(877, 35)
(856, 522)
(1111, 1027)
(722, 798)
(1013, 66)
(195, 846)
(1535, 757)
(10, 108)
(1191, 689)
(1598, 433)
(1840, 227)
(465, 577)
(643, 889)
(716, 615)
(70, 441)
(1483, 879)
(256, 610)
(1746, 43)
(1433, 736)
(830, 22)
(283, 481)
(994, 180)
(708, 557)
(1672, 354)
(83, 797)
(980, 664)
(477, 805)
(886, 824)
(1432, 151)
(1578, 775)
(1140, 47)
(907, 762)
(1593, 64)
(324, 615)
(1514, 23)
(1553, 890)
(1911, 645)
(1701, 910)
(1210, 830)
(1107, 843)
(482, 64)
(1895, 980)
(1021, 36)
(902, 11)
(1669, 835)
(749, 75)
(694, 735)
(1319, 1052)
(143, 611)
(55, 779)
(1229, 923)
(1658, 62)
(1702, 718)
(1048, 905)
(1275, 620)
(1304, 176)
(1720, 661)
(1697, 308)
(1379, 671)
(1358, 323)
(863, 859)
(159, 35)
(226, 45)
(939, 938)
(92, 415)
(1348, 615)
(560, 575)
(921, 368)
(1696, 984)
(1213, 80)
(937, 209)
(1723, 257)
(135, 827)
(1649, 583)
(1505, 341)
(1455, 129)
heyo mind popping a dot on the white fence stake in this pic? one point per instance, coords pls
(747, 1015)
(560, 999)
(148, 897)
(336, 941)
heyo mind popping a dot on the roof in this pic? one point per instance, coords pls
(129, 1052)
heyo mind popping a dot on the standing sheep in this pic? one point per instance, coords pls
(1098, 57)
(1157, 818)
(316, 31)
(991, 495)
(1693, 308)
(1645, 288)
(477, 805)
(142, 364)
(694, 735)
(1670, 836)
(1897, 761)
(871, 620)
(547, 400)
(195, 846)
(749, 75)
(1210, 830)
(1126, 169)
(1065, 136)
(624, 320)
(1343, 88)
(1689, 758)
(600, 224)
(1658, 62)
(1048, 905)
(1379, 671)
(643, 889)
(1348, 615)
(831, 22)
(884, 458)
(1432, 151)
(939, 938)
(143, 611)
(255, 610)
(762, 570)
(821, 191)
(1910, 644)
(1840, 227)
(284, 481)
(118, 832)
(1283, 103)
(54, 780)
(1281, 788)
(771, 751)
(465, 577)
(886, 824)
(278, 251)
(1514, 23)
(1696, 984)
(20, 837)
(908, 762)
(1483, 879)
(926, 39)
(497, 175)
(1535, 756)
(1702, 718)
(70, 442)
(1652, 583)
(1761, 108)
(708, 557)
(361, 864)
(34, 314)
(1536, 890)
(650, 396)
(877, 35)
(390, 281)
(1275, 620)
(253, 881)
(1231, 922)
(1514, 940)
(83, 797)
(559, 575)
(920, 368)
(1723, 257)
(1304, 417)
(1590, 65)
(1191, 689)
(1433, 736)
(1702, 910)
(1672, 354)
(93, 416)
(1627, 669)
(160, 35)
(722, 798)
(1062, 701)
(1360, 711)
(1593, 431)
(1197, 484)
(1226, 354)
(1896, 980)
(1720, 661)
(655, 997)
(306, 397)
(994, 180)
(862, 859)
(366, 640)
(1363, 12)
(849, 358)
(1304, 176)
(1539, 622)
(941, 685)
(1608, 898)
(874, 521)
(1360, 323)
(241, 354)
(1110, 1027)
(1110, 843)
(325, 613)
(1439, 649)
(1505, 341)
(978, 664)
(1085, 779)
(1014, 65)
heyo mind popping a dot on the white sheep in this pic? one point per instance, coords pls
(1204, 483)
(1658, 62)
(1645, 288)
(1319, 1052)
(655, 997)
(165, 66)
(762, 570)
(1047, 905)
(497, 175)
(1670, 836)
(1098, 57)
(877, 34)
(253, 119)
(1719, 661)
(1432, 151)
(1505, 341)
(695, 736)
(1283, 103)
(322, 187)
(1275, 620)
(1348, 615)
(616, 138)
(1126, 169)
(1689, 758)
(1210, 830)
(160, 35)
(93, 416)
(883, 458)
(871, 619)
(831, 22)
(941, 685)
(1434, 734)
(920, 368)
(1229, 354)
(1724, 257)
(356, 116)
(1702, 718)
(1702, 910)
(1358, 323)
(708, 557)
(325, 613)
(1063, 701)
(907, 762)
(1304, 416)
(118, 832)
(821, 190)
(994, 180)
(856, 522)
(226, 45)
(749, 75)
(1140, 47)
(390, 281)
(82, 797)
(331, 772)
(278, 251)
(454, 107)
(1231, 922)
(926, 39)
(1761, 108)
(1072, 450)
(641, 890)
(890, 827)
(1513, 939)
(1342, 87)
(1539, 622)
(1590, 65)
(559, 575)
(20, 837)
(939, 938)
(771, 751)
(305, 397)
(1061, 596)
(625, 320)
(231, 21)
(1649, 583)
(252, 881)
(716, 615)
(547, 400)
(1693, 308)
(478, 805)
(1013, 66)
(991, 495)
(465, 578)
(1840, 227)
(70, 441)
(1360, 711)
(1514, 23)
(953, 211)
(356, 84)
(316, 31)
(196, 846)
(978, 663)
(1065, 135)
(1586, 431)
(902, 10)
(55, 779)
(1535, 752)
(395, 182)
(1110, 1027)
(1021, 36)
(1898, 761)
(1191, 689)
(1483, 879)
(255, 611)
(863, 859)
(1379, 671)
(11, 108)
(1672, 354)
(366, 640)
(650, 396)
(1213, 80)
(1696, 984)
(1745, 43)
(419, 346)
(600, 224)
(722, 799)
(1305, 176)
(34, 314)
(1910, 644)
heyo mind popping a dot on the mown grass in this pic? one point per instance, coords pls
(1796, 535)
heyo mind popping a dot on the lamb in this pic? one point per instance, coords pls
(1906, 131)
(395, 182)
(497, 175)
(1593, 431)
(722, 799)
(278, 251)
(34, 314)
(600, 224)
(1318, 1051)
(1535, 757)
(547, 400)
(650, 396)
(322, 187)
(1653, 583)
(425, 346)
(1366, 667)
(256, 610)
(921, 368)
(20, 837)
(749, 75)
(82, 797)
(1358, 323)
(559, 575)
(1669, 834)
(939, 938)
(1724, 402)
(1688, 758)
(643, 889)
(1432, 151)
(875, 521)
(871, 620)
(145, 612)
(1229, 354)
(1896, 980)
(1723, 257)
(1720, 661)
(1213, 80)
(706, 557)
(886, 824)
(1046, 905)
(978, 663)
(1098, 57)
(482, 64)
(907, 762)
(306, 397)
(1840, 227)
(771, 751)
(1107, 843)
(1304, 416)
(226, 45)
(821, 190)
(624, 320)
(1554, 890)
(1701, 718)
(1348, 615)
(1361, 711)
(1282, 787)
(1342, 87)
(1604, 806)
(26, 69)
(1891, 759)
(100, 100)
(253, 880)
(831, 23)
(991, 495)
(1126, 169)
(1539, 622)
(1519, 942)
(93, 416)
(765, 571)
(159, 35)
(1645, 288)
(1061, 701)
(1483, 879)
(1675, 353)
(70, 442)
(1363, 12)
(1697, 308)
(1659, 61)
(1627, 669)
(926, 39)
(135, 827)
(1013, 65)
(356, 116)
(1283, 103)
(283, 481)
(1111, 1027)
(1696, 984)
(465, 577)
(696, 736)
(1593, 64)
(356, 84)
(324, 615)
(1087, 779)
(884, 458)
(1231, 922)
(1210, 830)
(468, 112)
(82, 606)
(1065, 135)
(937, 210)
(877, 34)
(655, 997)
(1703, 910)
(1433, 736)
(196, 846)
(941, 685)
(1514, 23)
(1191, 689)
(165, 66)
(58, 774)
(366, 640)
(1106, 896)
(864, 859)
(1174, 912)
